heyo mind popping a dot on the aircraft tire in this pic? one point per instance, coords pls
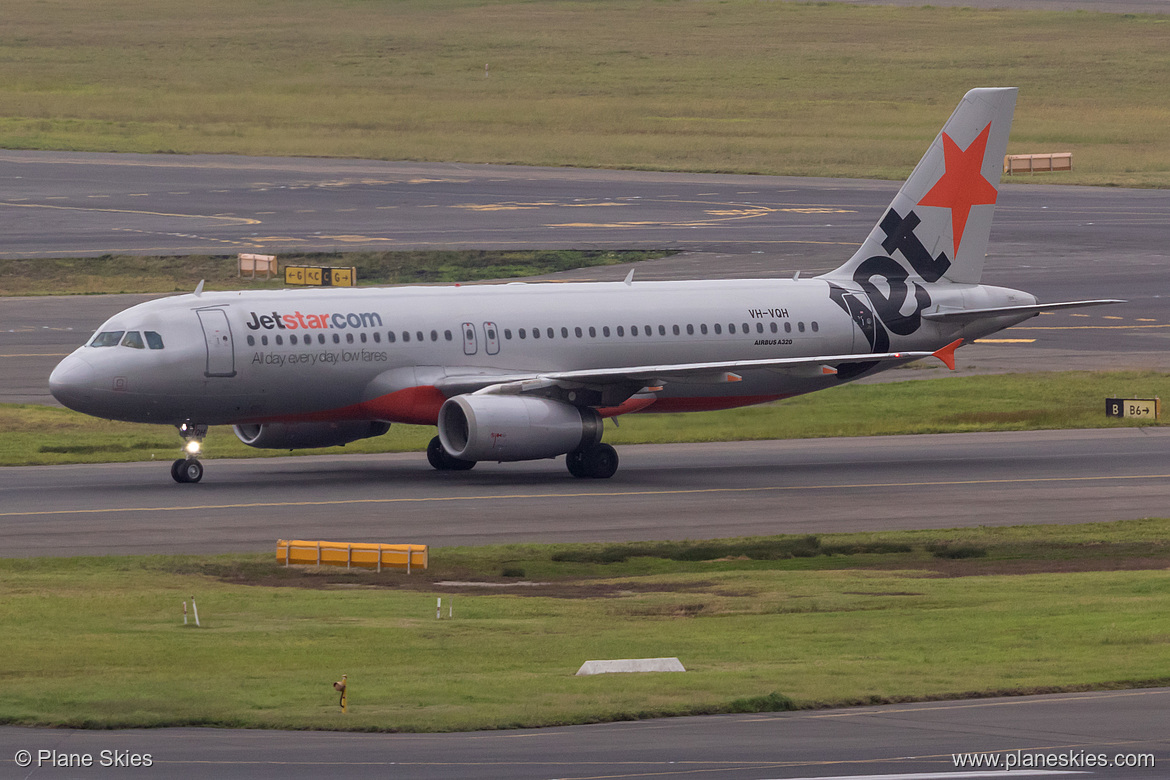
(600, 462)
(190, 470)
(441, 460)
(575, 461)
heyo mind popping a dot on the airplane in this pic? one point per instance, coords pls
(525, 371)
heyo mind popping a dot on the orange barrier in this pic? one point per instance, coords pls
(349, 554)
(252, 263)
(1037, 163)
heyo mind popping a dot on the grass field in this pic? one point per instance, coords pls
(711, 85)
(44, 435)
(150, 274)
(765, 624)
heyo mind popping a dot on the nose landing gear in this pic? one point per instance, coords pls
(189, 469)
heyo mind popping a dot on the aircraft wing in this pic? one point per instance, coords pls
(965, 315)
(648, 375)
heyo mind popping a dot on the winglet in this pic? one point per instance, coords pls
(630, 277)
(947, 353)
(199, 288)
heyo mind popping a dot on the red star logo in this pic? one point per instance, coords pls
(963, 185)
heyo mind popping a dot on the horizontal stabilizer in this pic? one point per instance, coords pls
(967, 315)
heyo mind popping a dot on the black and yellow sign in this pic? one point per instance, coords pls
(316, 276)
(1139, 408)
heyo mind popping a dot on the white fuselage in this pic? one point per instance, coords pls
(378, 353)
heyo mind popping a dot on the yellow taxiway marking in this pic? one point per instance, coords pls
(601, 494)
(1087, 327)
(241, 220)
(1004, 341)
(356, 239)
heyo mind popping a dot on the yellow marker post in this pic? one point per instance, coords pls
(341, 686)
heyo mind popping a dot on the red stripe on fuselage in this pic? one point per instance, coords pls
(414, 405)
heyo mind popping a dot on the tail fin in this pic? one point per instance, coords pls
(940, 220)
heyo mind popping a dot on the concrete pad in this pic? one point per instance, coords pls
(631, 665)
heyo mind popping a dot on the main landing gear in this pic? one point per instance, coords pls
(189, 469)
(599, 461)
(441, 461)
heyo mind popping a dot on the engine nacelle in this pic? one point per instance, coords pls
(297, 436)
(513, 427)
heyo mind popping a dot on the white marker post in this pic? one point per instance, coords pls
(439, 608)
(184, 613)
(195, 609)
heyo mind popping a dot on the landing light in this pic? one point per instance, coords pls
(193, 447)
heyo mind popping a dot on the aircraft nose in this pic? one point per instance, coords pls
(72, 382)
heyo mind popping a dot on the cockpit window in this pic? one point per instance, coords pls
(109, 338)
(153, 340)
(133, 339)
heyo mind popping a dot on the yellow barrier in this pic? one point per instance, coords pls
(1037, 163)
(349, 554)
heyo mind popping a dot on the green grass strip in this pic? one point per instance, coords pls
(99, 642)
(1011, 402)
(820, 89)
(158, 274)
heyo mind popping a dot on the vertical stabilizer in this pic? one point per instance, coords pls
(938, 224)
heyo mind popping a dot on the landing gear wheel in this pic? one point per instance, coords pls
(598, 462)
(189, 470)
(576, 463)
(440, 460)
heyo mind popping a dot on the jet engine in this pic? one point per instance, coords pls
(297, 436)
(512, 427)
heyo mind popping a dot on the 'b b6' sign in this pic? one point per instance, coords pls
(1141, 408)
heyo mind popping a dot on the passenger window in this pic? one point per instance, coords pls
(759, 327)
(564, 333)
(703, 329)
(523, 333)
(251, 341)
(675, 329)
(633, 330)
(405, 336)
(491, 334)
(649, 331)
(377, 337)
(133, 339)
(153, 340)
(690, 330)
(108, 339)
(746, 328)
(788, 327)
(320, 338)
(390, 337)
(292, 339)
(348, 338)
(815, 326)
(577, 332)
(662, 330)
(551, 333)
(774, 328)
(731, 327)
(621, 331)
(434, 335)
(508, 334)
(536, 333)
(800, 326)
(280, 340)
(718, 329)
(363, 338)
(592, 332)
(419, 335)
(605, 331)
